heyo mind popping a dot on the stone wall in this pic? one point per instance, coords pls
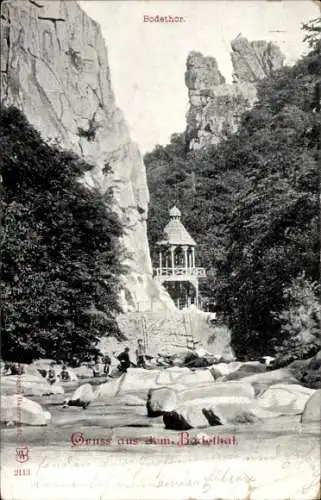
(170, 332)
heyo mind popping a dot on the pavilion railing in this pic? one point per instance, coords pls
(198, 272)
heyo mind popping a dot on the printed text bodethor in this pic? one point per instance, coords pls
(163, 19)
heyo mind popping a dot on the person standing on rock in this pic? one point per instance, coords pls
(140, 354)
(98, 367)
(64, 374)
(52, 374)
(124, 360)
(107, 364)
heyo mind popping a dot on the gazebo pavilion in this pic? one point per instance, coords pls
(176, 259)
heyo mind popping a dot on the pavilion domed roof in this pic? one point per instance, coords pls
(175, 212)
(175, 233)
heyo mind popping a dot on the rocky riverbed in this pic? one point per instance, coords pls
(112, 450)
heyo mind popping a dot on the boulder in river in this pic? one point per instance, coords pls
(166, 399)
(184, 377)
(312, 408)
(160, 400)
(109, 389)
(261, 381)
(30, 370)
(246, 369)
(138, 380)
(83, 371)
(141, 380)
(42, 365)
(24, 411)
(233, 412)
(83, 395)
(223, 369)
(288, 399)
(185, 417)
(28, 385)
(216, 411)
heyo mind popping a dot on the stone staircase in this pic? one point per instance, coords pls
(159, 333)
(165, 332)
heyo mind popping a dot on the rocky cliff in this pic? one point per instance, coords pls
(54, 67)
(216, 106)
(253, 61)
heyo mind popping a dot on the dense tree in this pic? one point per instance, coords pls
(60, 250)
(253, 205)
(274, 228)
(300, 320)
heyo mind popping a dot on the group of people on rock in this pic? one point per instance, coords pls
(124, 358)
(12, 369)
(52, 376)
(100, 365)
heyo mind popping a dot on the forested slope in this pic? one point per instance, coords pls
(252, 204)
(60, 250)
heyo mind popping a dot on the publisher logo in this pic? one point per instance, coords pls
(22, 455)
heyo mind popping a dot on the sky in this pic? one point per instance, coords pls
(147, 60)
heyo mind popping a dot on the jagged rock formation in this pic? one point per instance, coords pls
(54, 67)
(253, 61)
(202, 72)
(216, 106)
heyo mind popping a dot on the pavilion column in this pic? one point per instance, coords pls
(160, 261)
(173, 259)
(193, 257)
(185, 258)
